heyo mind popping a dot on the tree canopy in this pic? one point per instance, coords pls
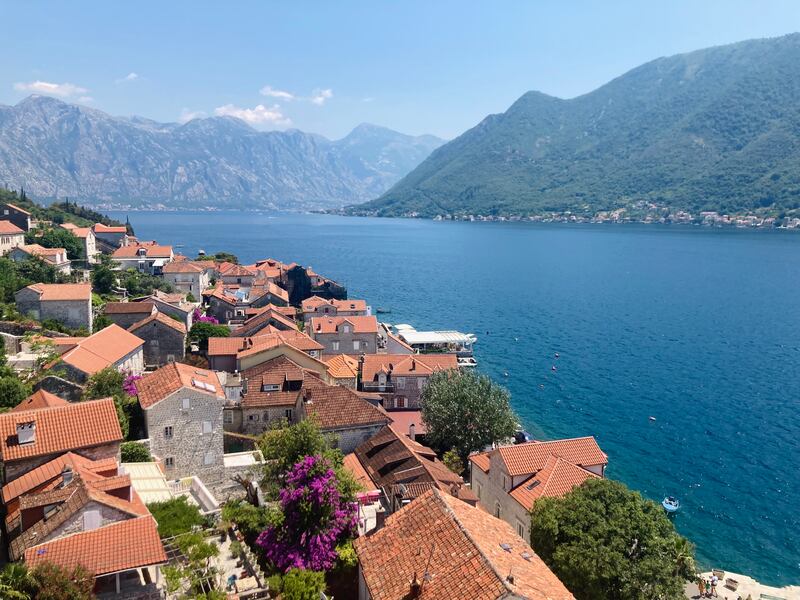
(201, 331)
(465, 411)
(175, 516)
(58, 237)
(606, 542)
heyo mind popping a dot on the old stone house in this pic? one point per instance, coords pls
(164, 339)
(16, 215)
(233, 354)
(508, 480)
(345, 335)
(11, 236)
(343, 370)
(126, 314)
(68, 303)
(326, 307)
(400, 378)
(269, 316)
(173, 305)
(183, 408)
(33, 437)
(230, 303)
(109, 237)
(189, 277)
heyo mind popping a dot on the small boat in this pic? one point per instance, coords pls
(553, 368)
(466, 361)
(383, 311)
(557, 354)
(505, 374)
(652, 418)
(671, 504)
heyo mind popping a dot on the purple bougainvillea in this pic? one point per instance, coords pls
(315, 519)
(129, 384)
(199, 317)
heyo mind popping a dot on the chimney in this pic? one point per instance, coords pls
(412, 431)
(380, 518)
(26, 432)
(306, 395)
(66, 476)
(416, 587)
(413, 365)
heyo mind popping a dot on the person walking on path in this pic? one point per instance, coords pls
(714, 581)
(701, 586)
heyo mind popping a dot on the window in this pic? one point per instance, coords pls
(91, 520)
(520, 530)
(288, 413)
(170, 358)
(421, 381)
(208, 459)
(169, 462)
(185, 404)
(505, 482)
(346, 328)
(356, 345)
(168, 432)
(335, 346)
(252, 417)
(206, 427)
(401, 382)
(497, 509)
(400, 402)
(227, 417)
(478, 491)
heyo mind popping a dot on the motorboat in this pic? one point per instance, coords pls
(671, 504)
(467, 362)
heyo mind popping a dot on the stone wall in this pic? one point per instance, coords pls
(69, 391)
(368, 342)
(71, 313)
(20, 467)
(491, 495)
(255, 421)
(125, 320)
(348, 439)
(74, 524)
(189, 446)
(161, 342)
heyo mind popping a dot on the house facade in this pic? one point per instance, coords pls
(164, 339)
(111, 237)
(110, 347)
(345, 335)
(326, 307)
(68, 303)
(11, 237)
(55, 257)
(400, 378)
(126, 314)
(88, 239)
(147, 258)
(508, 480)
(189, 277)
(14, 214)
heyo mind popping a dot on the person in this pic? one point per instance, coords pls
(714, 581)
(701, 586)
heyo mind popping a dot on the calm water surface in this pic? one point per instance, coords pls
(696, 327)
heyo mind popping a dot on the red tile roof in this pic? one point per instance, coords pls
(407, 365)
(60, 429)
(402, 420)
(556, 478)
(261, 320)
(8, 228)
(167, 380)
(481, 460)
(455, 551)
(102, 349)
(124, 308)
(524, 459)
(100, 228)
(352, 464)
(159, 317)
(55, 292)
(314, 302)
(183, 266)
(278, 371)
(247, 346)
(342, 366)
(336, 407)
(40, 399)
(361, 324)
(118, 547)
(151, 251)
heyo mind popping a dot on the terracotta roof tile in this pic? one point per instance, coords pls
(125, 308)
(459, 548)
(151, 251)
(60, 429)
(159, 317)
(100, 228)
(524, 459)
(169, 379)
(183, 266)
(556, 478)
(336, 407)
(326, 325)
(8, 228)
(102, 349)
(342, 366)
(407, 365)
(481, 461)
(352, 464)
(118, 547)
(279, 371)
(40, 399)
(62, 291)
(260, 321)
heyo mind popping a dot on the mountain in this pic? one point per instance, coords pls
(57, 150)
(716, 129)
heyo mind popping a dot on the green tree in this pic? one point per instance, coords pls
(196, 574)
(251, 520)
(299, 584)
(12, 391)
(201, 331)
(175, 516)
(105, 384)
(101, 322)
(17, 582)
(58, 237)
(465, 411)
(605, 542)
(103, 279)
(35, 270)
(133, 452)
(453, 461)
(58, 583)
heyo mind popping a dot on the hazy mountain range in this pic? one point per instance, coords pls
(716, 129)
(57, 150)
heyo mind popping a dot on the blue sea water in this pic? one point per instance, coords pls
(696, 327)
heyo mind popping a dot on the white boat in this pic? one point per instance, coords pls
(467, 362)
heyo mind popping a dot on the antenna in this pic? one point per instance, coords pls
(426, 577)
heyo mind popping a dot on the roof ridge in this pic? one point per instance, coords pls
(440, 498)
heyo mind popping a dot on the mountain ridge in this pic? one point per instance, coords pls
(712, 129)
(55, 149)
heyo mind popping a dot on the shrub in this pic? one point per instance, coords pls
(175, 516)
(300, 584)
(133, 452)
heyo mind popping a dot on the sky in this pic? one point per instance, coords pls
(435, 67)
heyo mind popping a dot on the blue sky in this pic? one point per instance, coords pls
(416, 66)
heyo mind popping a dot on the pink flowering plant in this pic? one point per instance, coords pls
(199, 317)
(315, 519)
(129, 384)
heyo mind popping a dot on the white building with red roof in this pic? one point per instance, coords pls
(11, 236)
(345, 335)
(508, 480)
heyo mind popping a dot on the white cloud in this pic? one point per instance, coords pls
(368, 99)
(257, 116)
(129, 77)
(271, 92)
(187, 115)
(63, 90)
(319, 97)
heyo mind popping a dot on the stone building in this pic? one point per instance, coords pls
(189, 277)
(269, 316)
(14, 214)
(183, 419)
(147, 258)
(68, 303)
(343, 370)
(232, 354)
(508, 480)
(326, 307)
(110, 237)
(164, 339)
(88, 239)
(126, 314)
(400, 378)
(345, 335)
(11, 236)
(30, 438)
(55, 257)
(231, 303)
